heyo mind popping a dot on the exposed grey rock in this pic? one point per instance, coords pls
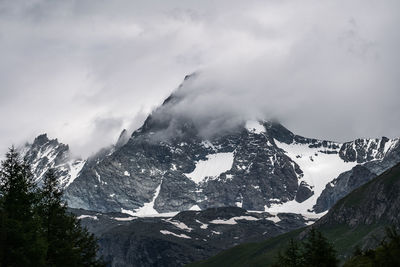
(45, 153)
(363, 150)
(133, 173)
(151, 168)
(304, 192)
(186, 237)
(360, 174)
(341, 186)
(377, 202)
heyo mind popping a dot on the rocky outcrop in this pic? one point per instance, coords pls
(44, 153)
(357, 221)
(388, 154)
(378, 201)
(341, 186)
(179, 239)
(169, 164)
(166, 173)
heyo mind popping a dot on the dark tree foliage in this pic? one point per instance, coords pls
(36, 228)
(318, 251)
(387, 254)
(292, 256)
(69, 244)
(314, 251)
(21, 241)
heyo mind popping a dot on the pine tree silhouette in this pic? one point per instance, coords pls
(36, 228)
(21, 243)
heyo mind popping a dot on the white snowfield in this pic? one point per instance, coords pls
(318, 168)
(147, 209)
(212, 167)
(75, 169)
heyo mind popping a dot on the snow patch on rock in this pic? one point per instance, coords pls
(318, 168)
(179, 225)
(212, 167)
(148, 208)
(195, 207)
(202, 225)
(87, 216)
(165, 232)
(234, 220)
(124, 219)
(75, 169)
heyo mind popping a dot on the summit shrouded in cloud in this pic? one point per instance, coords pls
(84, 70)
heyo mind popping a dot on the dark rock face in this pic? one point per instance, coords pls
(186, 237)
(356, 221)
(170, 165)
(303, 193)
(45, 153)
(133, 173)
(363, 150)
(155, 166)
(360, 174)
(378, 201)
(341, 186)
(152, 169)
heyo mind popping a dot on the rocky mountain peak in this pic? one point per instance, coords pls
(168, 165)
(45, 153)
(41, 139)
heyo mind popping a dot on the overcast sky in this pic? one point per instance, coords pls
(84, 70)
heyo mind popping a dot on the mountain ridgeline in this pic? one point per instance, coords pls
(167, 165)
(169, 194)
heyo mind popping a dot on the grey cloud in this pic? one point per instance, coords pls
(324, 69)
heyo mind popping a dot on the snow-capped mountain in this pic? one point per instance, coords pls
(45, 153)
(261, 166)
(167, 165)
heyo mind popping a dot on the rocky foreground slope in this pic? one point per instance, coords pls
(357, 220)
(178, 239)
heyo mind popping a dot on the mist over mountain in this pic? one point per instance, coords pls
(177, 129)
(324, 70)
(184, 160)
(200, 182)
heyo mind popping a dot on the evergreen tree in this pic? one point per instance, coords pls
(21, 242)
(292, 256)
(35, 227)
(318, 251)
(314, 251)
(69, 243)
